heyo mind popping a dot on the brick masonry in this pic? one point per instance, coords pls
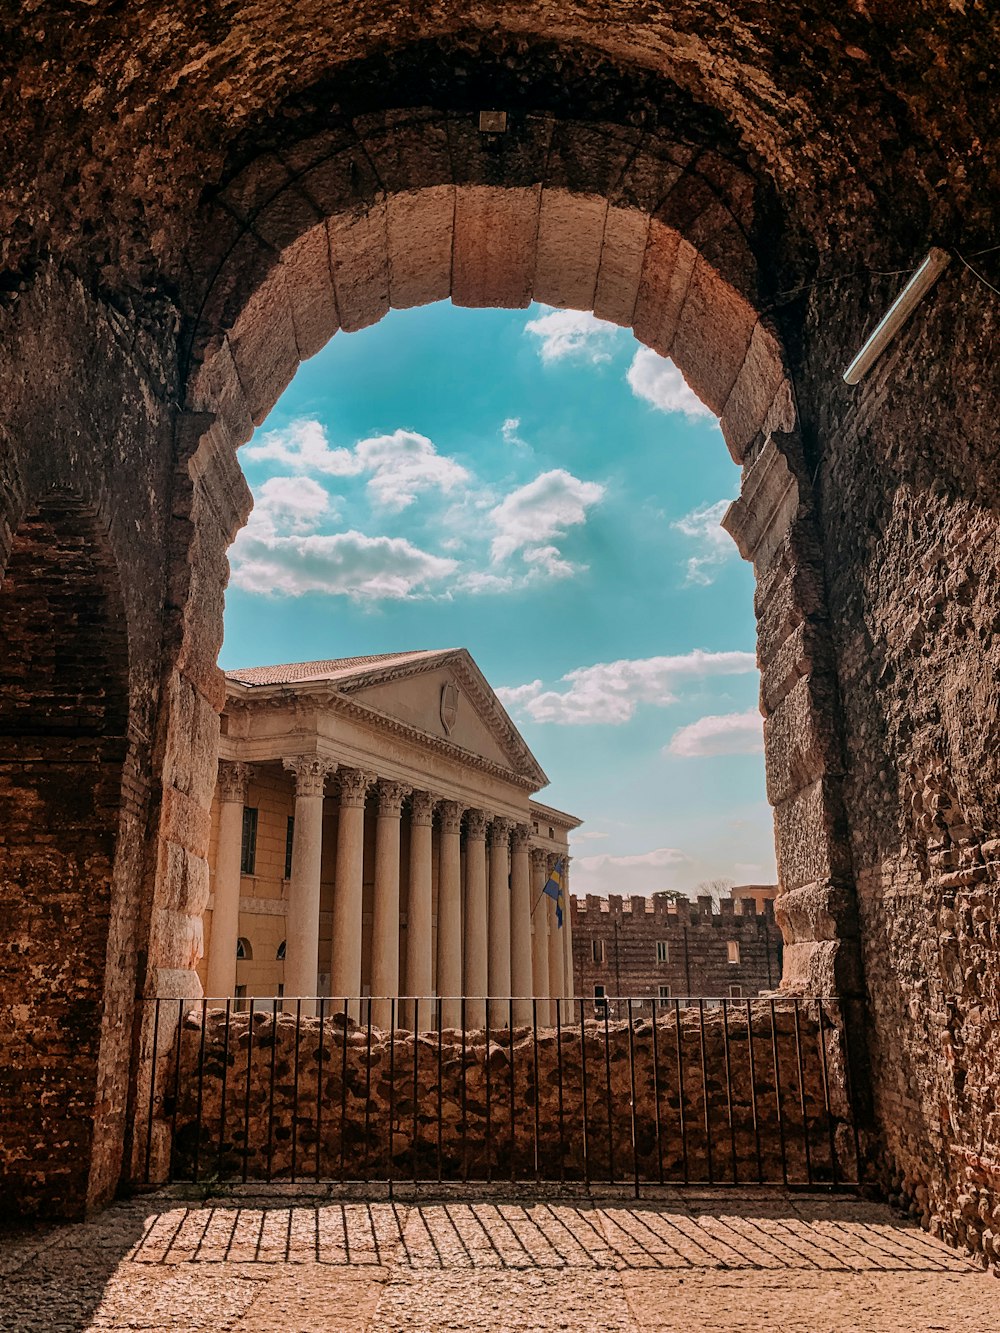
(616, 942)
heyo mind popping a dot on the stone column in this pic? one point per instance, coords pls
(569, 989)
(302, 921)
(345, 960)
(556, 962)
(539, 934)
(232, 784)
(499, 923)
(449, 936)
(521, 980)
(385, 912)
(419, 923)
(476, 919)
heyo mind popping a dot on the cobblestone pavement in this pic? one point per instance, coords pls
(734, 1261)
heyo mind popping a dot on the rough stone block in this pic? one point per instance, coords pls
(666, 270)
(626, 231)
(264, 347)
(514, 160)
(752, 396)
(215, 387)
(408, 149)
(570, 231)
(811, 838)
(421, 229)
(190, 756)
(309, 285)
(495, 246)
(713, 334)
(589, 159)
(800, 738)
(360, 262)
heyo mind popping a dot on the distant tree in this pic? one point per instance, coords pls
(716, 889)
(671, 895)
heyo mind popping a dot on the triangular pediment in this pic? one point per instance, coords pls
(445, 695)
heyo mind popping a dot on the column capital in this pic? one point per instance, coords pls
(500, 831)
(451, 816)
(522, 837)
(310, 771)
(233, 780)
(539, 859)
(390, 796)
(475, 824)
(354, 785)
(422, 805)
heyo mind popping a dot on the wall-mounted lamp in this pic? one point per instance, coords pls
(935, 263)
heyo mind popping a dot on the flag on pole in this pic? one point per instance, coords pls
(554, 889)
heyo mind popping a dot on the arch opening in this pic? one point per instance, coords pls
(63, 724)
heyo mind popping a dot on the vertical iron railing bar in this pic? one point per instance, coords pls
(319, 1087)
(849, 1087)
(559, 1068)
(631, 1074)
(225, 1081)
(177, 1088)
(295, 1088)
(368, 1091)
(821, 1024)
(704, 1092)
(729, 1088)
(343, 1092)
(513, 1093)
(465, 1101)
(680, 1088)
(246, 1094)
(777, 1094)
(802, 1093)
(534, 1039)
(201, 1084)
(152, 1088)
(656, 1096)
(607, 1088)
(392, 1086)
(753, 1095)
(440, 1082)
(416, 1059)
(583, 1093)
(489, 1116)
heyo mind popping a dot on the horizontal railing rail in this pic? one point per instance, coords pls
(619, 1090)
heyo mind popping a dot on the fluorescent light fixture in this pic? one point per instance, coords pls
(935, 263)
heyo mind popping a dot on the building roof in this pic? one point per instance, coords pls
(331, 668)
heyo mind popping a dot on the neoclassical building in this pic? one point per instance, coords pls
(374, 834)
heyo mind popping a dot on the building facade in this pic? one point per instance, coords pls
(663, 948)
(374, 834)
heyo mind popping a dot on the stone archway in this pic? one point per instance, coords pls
(64, 708)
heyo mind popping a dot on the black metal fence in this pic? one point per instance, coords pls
(686, 1090)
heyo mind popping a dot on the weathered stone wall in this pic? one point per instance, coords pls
(697, 940)
(352, 1102)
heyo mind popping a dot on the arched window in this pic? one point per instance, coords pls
(280, 955)
(244, 950)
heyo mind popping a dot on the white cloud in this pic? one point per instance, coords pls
(713, 544)
(644, 872)
(509, 431)
(726, 733)
(401, 465)
(572, 334)
(529, 518)
(661, 384)
(611, 691)
(346, 564)
(289, 504)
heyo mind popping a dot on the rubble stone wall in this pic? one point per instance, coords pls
(353, 1102)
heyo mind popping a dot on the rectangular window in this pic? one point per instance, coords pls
(248, 852)
(281, 989)
(289, 839)
(241, 999)
(597, 951)
(664, 995)
(736, 992)
(663, 951)
(600, 1003)
(734, 951)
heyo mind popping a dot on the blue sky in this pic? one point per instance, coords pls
(535, 487)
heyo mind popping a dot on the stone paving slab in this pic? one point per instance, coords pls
(308, 1262)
